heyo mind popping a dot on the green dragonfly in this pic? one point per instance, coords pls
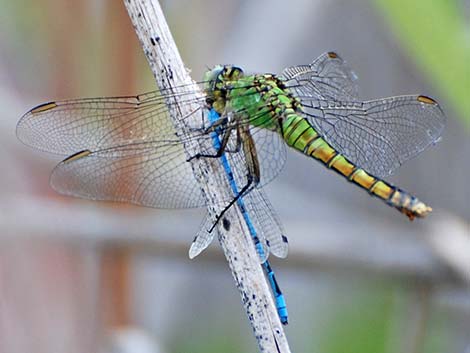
(126, 148)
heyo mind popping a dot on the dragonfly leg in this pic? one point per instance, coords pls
(252, 163)
(238, 144)
(245, 190)
(220, 151)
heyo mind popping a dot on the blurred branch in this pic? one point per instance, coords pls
(451, 242)
(142, 231)
(169, 71)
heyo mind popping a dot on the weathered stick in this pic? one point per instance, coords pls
(235, 239)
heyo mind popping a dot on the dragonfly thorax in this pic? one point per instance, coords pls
(217, 82)
(263, 99)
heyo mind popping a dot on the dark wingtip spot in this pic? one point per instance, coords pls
(43, 107)
(427, 100)
(76, 156)
(332, 55)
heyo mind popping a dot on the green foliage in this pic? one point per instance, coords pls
(360, 323)
(215, 335)
(435, 33)
(439, 332)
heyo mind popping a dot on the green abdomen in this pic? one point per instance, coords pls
(299, 134)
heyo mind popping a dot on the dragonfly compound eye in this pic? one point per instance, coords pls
(231, 73)
(212, 77)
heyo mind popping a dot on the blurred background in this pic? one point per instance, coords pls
(81, 276)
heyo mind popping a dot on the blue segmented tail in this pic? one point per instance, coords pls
(278, 296)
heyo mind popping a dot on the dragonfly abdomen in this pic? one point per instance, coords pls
(299, 134)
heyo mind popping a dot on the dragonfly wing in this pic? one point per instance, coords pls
(328, 78)
(267, 223)
(122, 149)
(262, 221)
(65, 127)
(271, 153)
(203, 238)
(154, 176)
(378, 135)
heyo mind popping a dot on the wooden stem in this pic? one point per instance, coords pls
(235, 239)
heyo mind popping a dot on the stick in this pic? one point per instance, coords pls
(234, 237)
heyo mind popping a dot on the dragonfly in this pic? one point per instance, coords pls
(126, 148)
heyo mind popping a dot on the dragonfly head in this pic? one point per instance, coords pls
(217, 82)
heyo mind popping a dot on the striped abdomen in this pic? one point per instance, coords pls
(299, 134)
